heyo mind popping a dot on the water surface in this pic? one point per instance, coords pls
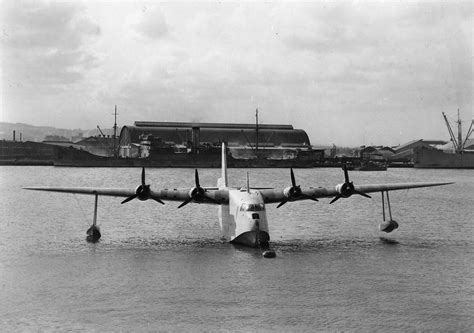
(160, 268)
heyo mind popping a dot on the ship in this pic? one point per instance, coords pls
(13, 152)
(459, 156)
(72, 157)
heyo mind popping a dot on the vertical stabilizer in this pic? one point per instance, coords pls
(225, 218)
(222, 182)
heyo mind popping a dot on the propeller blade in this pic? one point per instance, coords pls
(158, 200)
(143, 176)
(196, 178)
(293, 181)
(129, 198)
(309, 197)
(185, 202)
(346, 174)
(362, 194)
(284, 201)
(337, 197)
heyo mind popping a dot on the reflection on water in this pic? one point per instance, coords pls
(160, 268)
(389, 241)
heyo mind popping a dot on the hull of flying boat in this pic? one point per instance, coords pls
(252, 238)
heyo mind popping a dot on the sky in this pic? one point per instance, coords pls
(347, 72)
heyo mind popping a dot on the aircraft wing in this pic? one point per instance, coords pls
(115, 192)
(395, 187)
(221, 196)
(212, 195)
(274, 196)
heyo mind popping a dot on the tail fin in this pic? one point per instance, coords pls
(222, 182)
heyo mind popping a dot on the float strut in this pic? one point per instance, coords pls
(390, 225)
(389, 208)
(388, 205)
(383, 206)
(94, 222)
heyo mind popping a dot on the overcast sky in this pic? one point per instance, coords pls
(349, 73)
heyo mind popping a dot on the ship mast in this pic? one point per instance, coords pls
(460, 143)
(469, 132)
(115, 131)
(456, 144)
(256, 128)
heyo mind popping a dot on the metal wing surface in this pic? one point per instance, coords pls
(395, 187)
(221, 196)
(177, 194)
(274, 196)
(114, 192)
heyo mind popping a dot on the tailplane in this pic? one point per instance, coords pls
(222, 182)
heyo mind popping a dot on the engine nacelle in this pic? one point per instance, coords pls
(143, 192)
(345, 189)
(195, 192)
(388, 226)
(288, 192)
(138, 191)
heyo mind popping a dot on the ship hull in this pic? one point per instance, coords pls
(438, 159)
(71, 157)
(26, 153)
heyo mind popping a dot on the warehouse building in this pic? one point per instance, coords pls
(244, 140)
(405, 152)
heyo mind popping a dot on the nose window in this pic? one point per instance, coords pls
(255, 216)
(251, 207)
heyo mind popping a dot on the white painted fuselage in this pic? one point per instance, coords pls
(244, 219)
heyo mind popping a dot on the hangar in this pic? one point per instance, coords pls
(244, 140)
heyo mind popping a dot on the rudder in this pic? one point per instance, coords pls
(222, 182)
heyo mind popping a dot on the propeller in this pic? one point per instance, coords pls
(294, 191)
(143, 192)
(347, 189)
(198, 193)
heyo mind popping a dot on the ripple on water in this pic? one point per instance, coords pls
(342, 245)
(79, 245)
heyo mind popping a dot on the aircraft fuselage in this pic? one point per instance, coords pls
(244, 219)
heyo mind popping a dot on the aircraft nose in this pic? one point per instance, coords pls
(256, 221)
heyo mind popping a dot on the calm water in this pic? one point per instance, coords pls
(159, 268)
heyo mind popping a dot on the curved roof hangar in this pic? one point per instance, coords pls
(234, 134)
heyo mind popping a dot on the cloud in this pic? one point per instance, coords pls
(45, 44)
(150, 23)
(326, 67)
(339, 63)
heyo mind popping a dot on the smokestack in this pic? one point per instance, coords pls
(20, 137)
(14, 134)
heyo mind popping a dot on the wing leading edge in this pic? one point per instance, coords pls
(274, 196)
(114, 192)
(221, 196)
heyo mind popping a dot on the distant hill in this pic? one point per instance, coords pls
(38, 133)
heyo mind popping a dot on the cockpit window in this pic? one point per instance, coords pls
(252, 207)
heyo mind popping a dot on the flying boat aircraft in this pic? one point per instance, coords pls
(242, 210)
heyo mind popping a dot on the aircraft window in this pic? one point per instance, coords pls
(252, 207)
